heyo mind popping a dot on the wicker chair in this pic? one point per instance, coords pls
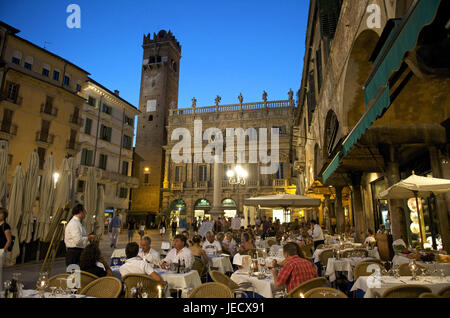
(320, 246)
(250, 251)
(271, 242)
(306, 249)
(405, 291)
(201, 268)
(325, 292)
(241, 288)
(150, 286)
(105, 287)
(429, 295)
(87, 278)
(211, 290)
(55, 282)
(306, 286)
(361, 269)
(445, 292)
(403, 269)
(324, 256)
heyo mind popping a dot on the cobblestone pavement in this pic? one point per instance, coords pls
(30, 270)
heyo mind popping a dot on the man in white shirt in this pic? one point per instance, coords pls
(179, 253)
(211, 245)
(317, 234)
(370, 239)
(75, 236)
(147, 253)
(229, 243)
(136, 265)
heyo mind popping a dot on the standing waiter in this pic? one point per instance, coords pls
(75, 236)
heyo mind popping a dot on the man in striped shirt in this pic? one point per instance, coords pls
(296, 269)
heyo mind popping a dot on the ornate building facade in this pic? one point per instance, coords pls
(373, 108)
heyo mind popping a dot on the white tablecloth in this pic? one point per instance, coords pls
(343, 265)
(118, 252)
(222, 263)
(264, 287)
(371, 253)
(363, 282)
(187, 280)
(400, 259)
(31, 293)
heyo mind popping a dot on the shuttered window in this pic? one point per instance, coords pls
(329, 11)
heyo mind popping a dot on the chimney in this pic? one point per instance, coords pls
(116, 92)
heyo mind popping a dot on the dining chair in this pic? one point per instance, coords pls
(307, 286)
(429, 295)
(211, 290)
(445, 292)
(403, 269)
(149, 285)
(201, 268)
(55, 281)
(86, 278)
(362, 269)
(405, 291)
(306, 249)
(324, 256)
(104, 287)
(324, 292)
(237, 289)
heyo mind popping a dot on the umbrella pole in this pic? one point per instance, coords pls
(420, 215)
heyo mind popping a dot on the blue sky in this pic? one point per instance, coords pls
(228, 47)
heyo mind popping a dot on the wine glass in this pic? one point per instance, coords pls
(442, 274)
(60, 289)
(53, 288)
(42, 283)
(74, 291)
(115, 261)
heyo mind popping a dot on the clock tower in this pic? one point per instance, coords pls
(158, 93)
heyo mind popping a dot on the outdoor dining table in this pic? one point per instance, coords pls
(374, 288)
(345, 265)
(400, 259)
(31, 293)
(118, 257)
(264, 287)
(371, 252)
(184, 281)
(222, 263)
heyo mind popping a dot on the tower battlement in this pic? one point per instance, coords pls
(162, 36)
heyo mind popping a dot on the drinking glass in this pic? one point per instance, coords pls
(74, 291)
(442, 274)
(115, 261)
(53, 288)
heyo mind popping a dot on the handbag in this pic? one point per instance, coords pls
(13, 238)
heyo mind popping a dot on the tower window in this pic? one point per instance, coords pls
(150, 118)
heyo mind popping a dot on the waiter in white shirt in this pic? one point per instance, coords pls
(179, 253)
(75, 236)
(317, 234)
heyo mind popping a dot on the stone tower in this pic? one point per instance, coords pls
(158, 93)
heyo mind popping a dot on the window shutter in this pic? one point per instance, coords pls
(329, 11)
(311, 97)
(319, 66)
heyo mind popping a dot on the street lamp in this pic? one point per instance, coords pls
(237, 176)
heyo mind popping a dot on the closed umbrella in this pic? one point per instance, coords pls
(63, 195)
(90, 200)
(415, 186)
(15, 206)
(100, 212)
(29, 197)
(3, 176)
(47, 195)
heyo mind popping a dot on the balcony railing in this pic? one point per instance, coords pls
(9, 129)
(45, 137)
(177, 186)
(77, 120)
(252, 183)
(226, 184)
(109, 176)
(233, 107)
(280, 183)
(49, 110)
(12, 99)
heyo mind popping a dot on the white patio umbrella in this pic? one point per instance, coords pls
(415, 186)
(47, 195)
(15, 206)
(3, 176)
(90, 200)
(100, 213)
(29, 197)
(283, 200)
(63, 195)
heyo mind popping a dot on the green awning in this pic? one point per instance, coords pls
(403, 39)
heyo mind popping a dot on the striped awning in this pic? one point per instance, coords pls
(402, 39)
